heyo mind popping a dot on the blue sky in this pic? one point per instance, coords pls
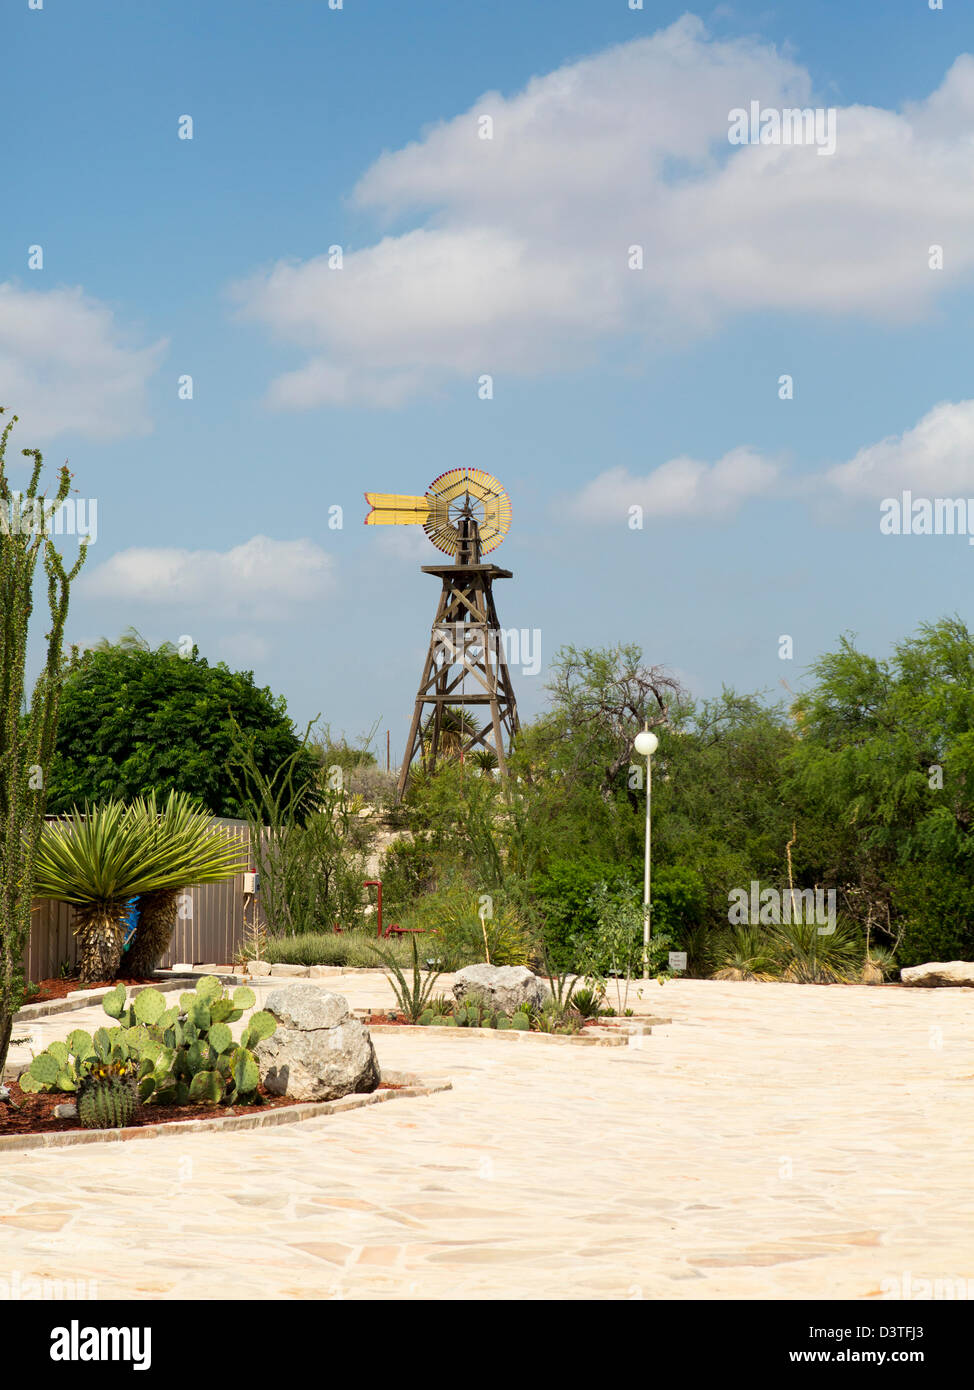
(357, 127)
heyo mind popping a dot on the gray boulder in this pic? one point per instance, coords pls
(307, 1007)
(501, 987)
(940, 973)
(319, 1052)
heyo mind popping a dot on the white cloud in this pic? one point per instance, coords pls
(66, 366)
(260, 578)
(682, 487)
(517, 259)
(935, 457)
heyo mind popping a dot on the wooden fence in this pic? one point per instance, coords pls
(209, 925)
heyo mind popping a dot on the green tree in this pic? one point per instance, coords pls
(26, 739)
(886, 752)
(136, 720)
(600, 699)
(721, 807)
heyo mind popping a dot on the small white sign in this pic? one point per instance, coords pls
(678, 960)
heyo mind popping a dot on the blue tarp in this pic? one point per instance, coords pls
(130, 921)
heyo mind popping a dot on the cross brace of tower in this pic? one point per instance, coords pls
(465, 644)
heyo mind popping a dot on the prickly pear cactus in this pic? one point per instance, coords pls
(107, 1097)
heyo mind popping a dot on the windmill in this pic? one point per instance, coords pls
(466, 513)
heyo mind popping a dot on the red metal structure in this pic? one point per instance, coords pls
(393, 928)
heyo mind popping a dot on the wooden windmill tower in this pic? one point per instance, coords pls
(466, 513)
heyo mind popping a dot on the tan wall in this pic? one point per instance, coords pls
(209, 931)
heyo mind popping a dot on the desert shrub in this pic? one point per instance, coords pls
(453, 912)
(407, 874)
(354, 948)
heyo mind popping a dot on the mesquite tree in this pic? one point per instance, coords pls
(27, 731)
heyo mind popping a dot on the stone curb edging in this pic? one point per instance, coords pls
(85, 999)
(289, 1114)
(514, 1034)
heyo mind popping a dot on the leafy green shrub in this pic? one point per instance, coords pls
(937, 912)
(679, 902)
(618, 950)
(407, 873)
(563, 894)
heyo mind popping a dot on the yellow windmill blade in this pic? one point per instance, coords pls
(454, 495)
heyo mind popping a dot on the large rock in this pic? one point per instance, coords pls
(935, 973)
(319, 1052)
(501, 987)
(307, 1008)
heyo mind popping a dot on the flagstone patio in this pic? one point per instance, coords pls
(772, 1141)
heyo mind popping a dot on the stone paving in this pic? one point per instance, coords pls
(774, 1140)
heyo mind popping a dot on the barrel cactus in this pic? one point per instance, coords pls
(107, 1097)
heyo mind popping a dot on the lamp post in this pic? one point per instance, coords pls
(647, 743)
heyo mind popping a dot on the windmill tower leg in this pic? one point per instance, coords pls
(465, 642)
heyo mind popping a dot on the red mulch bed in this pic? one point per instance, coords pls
(33, 1113)
(403, 1022)
(60, 988)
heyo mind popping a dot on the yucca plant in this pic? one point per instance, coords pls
(183, 829)
(750, 956)
(457, 728)
(413, 997)
(100, 858)
(811, 957)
